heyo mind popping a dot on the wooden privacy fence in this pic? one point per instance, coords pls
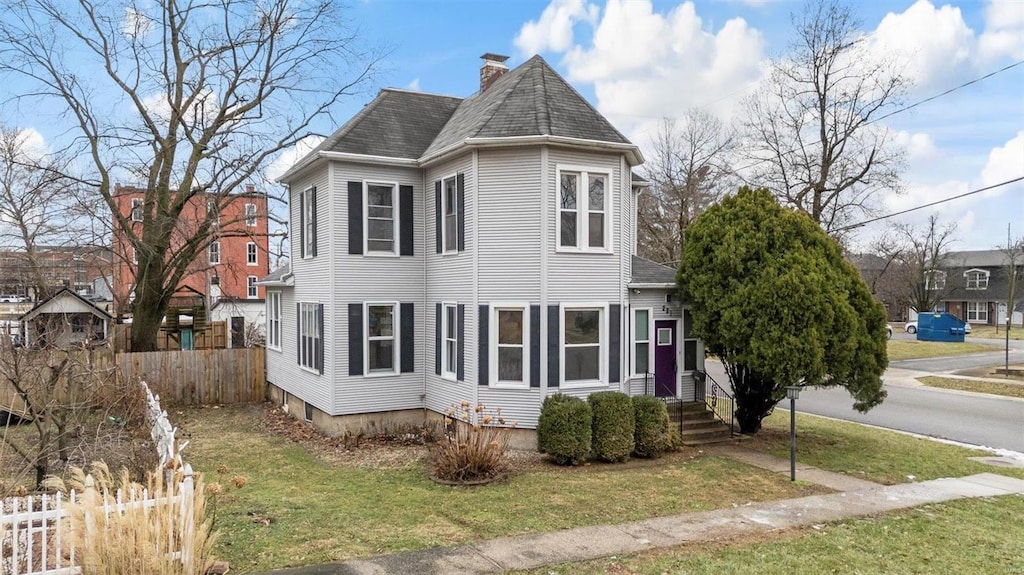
(214, 337)
(204, 377)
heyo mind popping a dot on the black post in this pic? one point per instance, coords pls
(792, 439)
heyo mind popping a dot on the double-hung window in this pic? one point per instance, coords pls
(584, 205)
(450, 333)
(976, 279)
(212, 212)
(381, 218)
(977, 311)
(641, 341)
(308, 203)
(274, 320)
(136, 209)
(934, 280)
(450, 206)
(251, 257)
(250, 215)
(583, 345)
(381, 350)
(214, 252)
(511, 354)
(310, 338)
(252, 290)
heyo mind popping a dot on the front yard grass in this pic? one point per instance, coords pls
(298, 508)
(989, 332)
(975, 385)
(971, 537)
(913, 349)
(868, 453)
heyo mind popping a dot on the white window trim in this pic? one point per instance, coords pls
(395, 217)
(633, 340)
(137, 203)
(492, 351)
(983, 278)
(931, 278)
(210, 251)
(307, 231)
(251, 219)
(980, 310)
(443, 215)
(395, 335)
(602, 380)
(255, 253)
(273, 322)
(135, 256)
(583, 209)
(320, 336)
(252, 290)
(449, 372)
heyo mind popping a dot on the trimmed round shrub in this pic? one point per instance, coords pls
(614, 425)
(564, 428)
(652, 437)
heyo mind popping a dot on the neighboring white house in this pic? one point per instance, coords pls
(245, 320)
(479, 249)
(63, 320)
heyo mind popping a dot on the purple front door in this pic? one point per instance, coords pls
(665, 358)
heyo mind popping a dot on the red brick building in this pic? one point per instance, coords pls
(228, 268)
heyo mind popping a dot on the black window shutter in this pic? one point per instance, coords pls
(484, 349)
(461, 187)
(438, 216)
(438, 311)
(460, 372)
(320, 345)
(553, 343)
(312, 198)
(355, 218)
(614, 341)
(534, 346)
(405, 220)
(408, 327)
(302, 225)
(355, 339)
(298, 333)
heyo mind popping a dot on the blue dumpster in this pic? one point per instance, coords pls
(940, 327)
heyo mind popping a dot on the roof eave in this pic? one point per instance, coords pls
(633, 155)
(649, 285)
(287, 280)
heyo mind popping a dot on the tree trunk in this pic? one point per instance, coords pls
(754, 396)
(148, 310)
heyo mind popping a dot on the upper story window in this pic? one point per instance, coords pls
(212, 212)
(251, 254)
(136, 209)
(976, 279)
(250, 215)
(381, 223)
(307, 223)
(450, 203)
(583, 210)
(934, 280)
(274, 320)
(214, 252)
(252, 290)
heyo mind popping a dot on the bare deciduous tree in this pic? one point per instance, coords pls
(690, 170)
(809, 131)
(213, 90)
(1013, 269)
(918, 274)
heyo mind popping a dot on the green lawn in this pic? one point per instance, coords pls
(913, 349)
(868, 453)
(968, 537)
(989, 332)
(974, 385)
(298, 509)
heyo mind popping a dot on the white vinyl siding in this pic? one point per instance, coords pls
(977, 311)
(381, 345)
(449, 340)
(583, 196)
(381, 221)
(310, 338)
(642, 351)
(274, 320)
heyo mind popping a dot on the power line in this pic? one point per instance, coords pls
(935, 203)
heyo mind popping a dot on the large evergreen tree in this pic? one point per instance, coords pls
(773, 298)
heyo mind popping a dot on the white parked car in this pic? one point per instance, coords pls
(912, 327)
(13, 299)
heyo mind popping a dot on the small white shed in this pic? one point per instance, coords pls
(64, 319)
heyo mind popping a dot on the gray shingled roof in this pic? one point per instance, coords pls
(648, 272)
(278, 274)
(976, 258)
(532, 100)
(396, 124)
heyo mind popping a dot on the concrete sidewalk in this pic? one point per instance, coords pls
(530, 551)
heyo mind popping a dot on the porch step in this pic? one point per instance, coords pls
(699, 425)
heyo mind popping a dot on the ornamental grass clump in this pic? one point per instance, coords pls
(474, 447)
(139, 539)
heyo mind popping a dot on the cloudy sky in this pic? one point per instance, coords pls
(638, 61)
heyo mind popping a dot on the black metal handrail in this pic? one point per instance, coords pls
(649, 385)
(718, 400)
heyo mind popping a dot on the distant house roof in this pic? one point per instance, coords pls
(976, 259)
(646, 272)
(55, 304)
(278, 277)
(530, 101)
(639, 181)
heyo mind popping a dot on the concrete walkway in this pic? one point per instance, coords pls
(856, 498)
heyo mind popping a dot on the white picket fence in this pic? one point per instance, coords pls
(33, 538)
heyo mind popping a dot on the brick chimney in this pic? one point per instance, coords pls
(494, 67)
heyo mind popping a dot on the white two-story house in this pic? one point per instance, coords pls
(478, 249)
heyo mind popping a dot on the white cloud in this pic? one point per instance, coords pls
(1004, 163)
(288, 157)
(206, 105)
(31, 145)
(934, 44)
(554, 30)
(919, 145)
(1004, 30)
(414, 85)
(136, 24)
